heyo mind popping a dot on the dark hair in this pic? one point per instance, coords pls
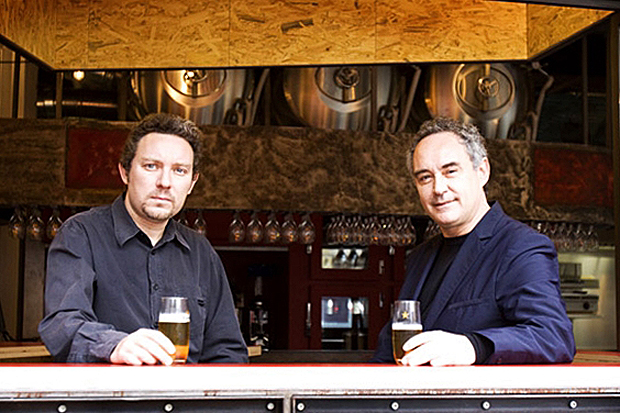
(468, 134)
(168, 124)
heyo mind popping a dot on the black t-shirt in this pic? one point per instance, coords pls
(447, 252)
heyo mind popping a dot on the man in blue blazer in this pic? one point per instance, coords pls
(488, 285)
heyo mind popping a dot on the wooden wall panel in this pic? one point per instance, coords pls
(267, 32)
(155, 34)
(115, 34)
(450, 30)
(550, 25)
(30, 24)
(71, 41)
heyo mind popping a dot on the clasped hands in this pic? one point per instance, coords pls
(438, 348)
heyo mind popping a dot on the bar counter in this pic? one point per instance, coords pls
(309, 388)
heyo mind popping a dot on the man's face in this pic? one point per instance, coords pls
(451, 190)
(160, 178)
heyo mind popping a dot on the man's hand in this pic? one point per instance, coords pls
(144, 346)
(438, 348)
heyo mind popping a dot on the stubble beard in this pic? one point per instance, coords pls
(157, 214)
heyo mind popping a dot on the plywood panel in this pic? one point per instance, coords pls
(72, 34)
(268, 32)
(31, 25)
(450, 30)
(155, 34)
(550, 25)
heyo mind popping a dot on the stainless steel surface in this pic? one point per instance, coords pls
(594, 327)
(336, 97)
(204, 96)
(484, 94)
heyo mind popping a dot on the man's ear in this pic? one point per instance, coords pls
(484, 171)
(194, 180)
(123, 173)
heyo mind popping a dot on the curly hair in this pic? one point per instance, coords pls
(168, 124)
(468, 134)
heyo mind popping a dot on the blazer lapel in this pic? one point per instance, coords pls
(468, 254)
(459, 270)
(418, 270)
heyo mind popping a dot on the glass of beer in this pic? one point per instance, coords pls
(174, 323)
(406, 323)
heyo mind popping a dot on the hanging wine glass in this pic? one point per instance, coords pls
(255, 230)
(307, 233)
(289, 230)
(273, 231)
(357, 231)
(53, 224)
(34, 229)
(182, 218)
(17, 226)
(200, 225)
(393, 234)
(383, 234)
(374, 231)
(329, 232)
(409, 235)
(432, 230)
(579, 238)
(591, 240)
(339, 230)
(236, 229)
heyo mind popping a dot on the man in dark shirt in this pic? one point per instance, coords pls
(488, 285)
(109, 267)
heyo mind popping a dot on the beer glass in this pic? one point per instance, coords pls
(406, 323)
(174, 323)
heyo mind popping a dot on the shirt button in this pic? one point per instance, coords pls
(152, 252)
(156, 287)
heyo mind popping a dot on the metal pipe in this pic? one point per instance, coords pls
(16, 75)
(59, 95)
(613, 85)
(584, 89)
(412, 89)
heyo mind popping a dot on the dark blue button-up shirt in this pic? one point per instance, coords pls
(105, 280)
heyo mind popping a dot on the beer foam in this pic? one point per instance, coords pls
(174, 318)
(406, 327)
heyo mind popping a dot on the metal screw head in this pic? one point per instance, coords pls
(394, 406)
(168, 407)
(270, 406)
(62, 408)
(573, 404)
(486, 405)
(301, 407)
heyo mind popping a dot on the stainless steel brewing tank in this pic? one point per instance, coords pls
(204, 96)
(337, 97)
(489, 95)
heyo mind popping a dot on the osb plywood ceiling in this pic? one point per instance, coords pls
(112, 34)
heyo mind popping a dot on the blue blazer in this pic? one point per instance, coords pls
(502, 284)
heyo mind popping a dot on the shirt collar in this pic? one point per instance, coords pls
(125, 228)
